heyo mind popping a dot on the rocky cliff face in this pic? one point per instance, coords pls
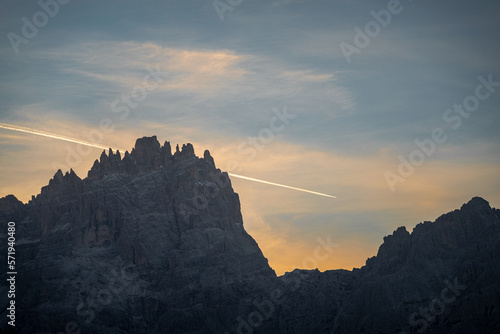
(153, 242)
(444, 277)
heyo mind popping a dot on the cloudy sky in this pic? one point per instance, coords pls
(391, 106)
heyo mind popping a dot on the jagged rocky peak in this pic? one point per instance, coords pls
(67, 184)
(476, 205)
(477, 202)
(186, 152)
(10, 203)
(169, 249)
(171, 223)
(60, 178)
(392, 252)
(451, 231)
(208, 157)
(146, 155)
(147, 152)
(396, 242)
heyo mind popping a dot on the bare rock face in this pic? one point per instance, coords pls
(10, 208)
(444, 277)
(153, 242)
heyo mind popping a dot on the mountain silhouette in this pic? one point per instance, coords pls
(154, 242)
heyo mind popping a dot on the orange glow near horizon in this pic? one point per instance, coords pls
(82, 142)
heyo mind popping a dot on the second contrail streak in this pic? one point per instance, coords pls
(279, 185)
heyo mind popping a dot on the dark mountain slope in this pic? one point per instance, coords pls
(153, 242)
(444, 277)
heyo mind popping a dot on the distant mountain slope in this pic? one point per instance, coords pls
(444, 277)
(153, 242)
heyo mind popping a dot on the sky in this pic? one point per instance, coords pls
(392, 106)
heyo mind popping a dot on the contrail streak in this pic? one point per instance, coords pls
(279, 185)
(50, 135)
(82, 142)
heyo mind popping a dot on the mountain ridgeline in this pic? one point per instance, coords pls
(153, 242)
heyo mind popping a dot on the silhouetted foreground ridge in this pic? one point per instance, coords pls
(153, 242)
